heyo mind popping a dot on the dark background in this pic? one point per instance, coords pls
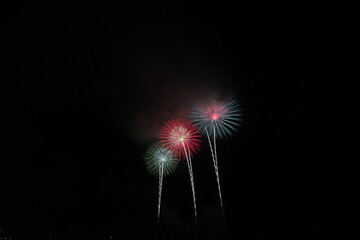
(87, 86)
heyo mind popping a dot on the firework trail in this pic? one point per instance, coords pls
(162, 162)
(182, 137)
(188, 160)
(214, 157)
(161, 170)
(218, 119)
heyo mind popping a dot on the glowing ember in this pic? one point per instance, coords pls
(214, 116)
(180, 135)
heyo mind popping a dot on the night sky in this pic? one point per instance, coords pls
(87, 87)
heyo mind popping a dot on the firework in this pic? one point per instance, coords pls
(160, 162)
(216, 119)
(182, 137)
(219, 118)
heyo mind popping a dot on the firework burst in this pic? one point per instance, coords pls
(182, 137)
(160, 162)
(216, 119)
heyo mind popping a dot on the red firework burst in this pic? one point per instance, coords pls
(179, 135)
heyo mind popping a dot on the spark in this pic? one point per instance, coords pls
(160, 161)
(216, 118)
(183, 137)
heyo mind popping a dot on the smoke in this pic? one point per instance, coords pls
(164, 76)
(163, 98)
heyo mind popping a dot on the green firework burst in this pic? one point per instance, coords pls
(160, 159)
